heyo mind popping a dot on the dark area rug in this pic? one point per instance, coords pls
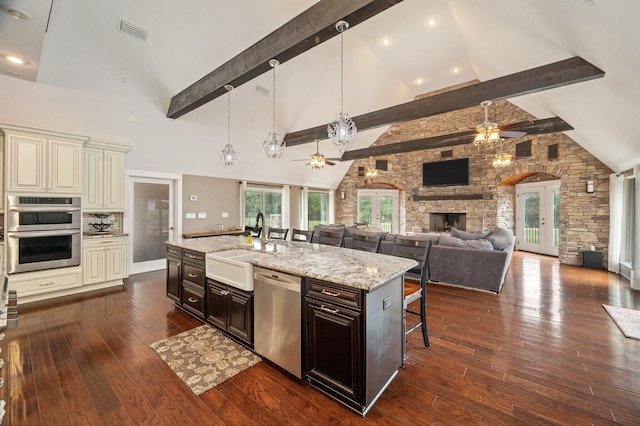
(203, 357)
(627, 320)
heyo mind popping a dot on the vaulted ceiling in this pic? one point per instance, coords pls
(85, 76)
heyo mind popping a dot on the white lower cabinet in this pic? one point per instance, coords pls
(104, 259)
(30, 285)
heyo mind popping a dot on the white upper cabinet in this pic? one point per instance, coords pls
(104, 165)
(41, 162)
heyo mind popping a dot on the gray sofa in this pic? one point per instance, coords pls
(474, 260)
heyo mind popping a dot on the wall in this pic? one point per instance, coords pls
(584, 217)
(215, 196)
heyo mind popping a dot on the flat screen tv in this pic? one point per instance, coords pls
(444, 173)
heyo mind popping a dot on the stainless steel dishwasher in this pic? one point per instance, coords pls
(277, 319)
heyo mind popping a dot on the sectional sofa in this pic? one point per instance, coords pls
(472, 260)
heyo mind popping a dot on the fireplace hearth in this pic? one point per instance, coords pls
(442, 222)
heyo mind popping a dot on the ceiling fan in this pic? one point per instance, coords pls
(487, 131)
(318, 161)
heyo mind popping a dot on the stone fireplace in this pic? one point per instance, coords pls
(442, 222)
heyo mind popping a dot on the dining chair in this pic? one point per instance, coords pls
(301, 235)
(331, 238)
(415, 280)
(370, 243)
(277, 233)
(255, 231)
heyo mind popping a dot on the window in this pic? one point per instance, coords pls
(628, 222)
(265, 200)
(317, 208)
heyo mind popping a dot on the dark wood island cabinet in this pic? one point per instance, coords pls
(354, 340)
(231, 310)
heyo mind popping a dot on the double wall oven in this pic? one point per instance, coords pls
(42, 233)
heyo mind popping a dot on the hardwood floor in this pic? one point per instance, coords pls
(544, 351)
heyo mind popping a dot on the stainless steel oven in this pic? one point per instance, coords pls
(43, 213)
(42, 233)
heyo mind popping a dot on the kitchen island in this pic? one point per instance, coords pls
(351, 309)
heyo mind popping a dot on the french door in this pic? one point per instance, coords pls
(379, 207)
(538, 217)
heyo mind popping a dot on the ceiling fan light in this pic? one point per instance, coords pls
(479, 138)
(494, 136)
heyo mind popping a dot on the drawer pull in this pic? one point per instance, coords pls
(192, 300)
(192, 256)
(333, 311)
(192, 275)
(46, 284)
(328, 293)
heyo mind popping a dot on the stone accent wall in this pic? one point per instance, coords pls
(584, 217)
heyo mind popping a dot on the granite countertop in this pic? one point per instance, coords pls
(339, 265)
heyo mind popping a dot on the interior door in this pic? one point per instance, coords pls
(151, 222)
(379, 207)
(537, 217)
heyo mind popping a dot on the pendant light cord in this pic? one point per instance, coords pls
(274, 98)
(229, 117)
(341, 71)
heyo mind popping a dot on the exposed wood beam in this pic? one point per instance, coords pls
(312, 27)
(557, 74)
(537, 127)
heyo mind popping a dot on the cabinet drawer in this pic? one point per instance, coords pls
(194, 257)
(193, 298)
(334, 293)
(44, 284)
(193, 273)
(174, 251)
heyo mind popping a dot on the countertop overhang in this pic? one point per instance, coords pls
(339, 265)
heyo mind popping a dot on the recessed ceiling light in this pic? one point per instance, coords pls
(431, 22)
(386, 41)
(15, 59)
(456, 70)
(14, 12)
(419, 81)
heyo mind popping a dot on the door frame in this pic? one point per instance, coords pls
(546, 190)
(175, 210)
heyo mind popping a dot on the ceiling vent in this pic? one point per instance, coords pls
(262, 90)
(132, 30)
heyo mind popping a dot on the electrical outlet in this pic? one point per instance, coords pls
(593, 248)
(225, 214)
(193, 198)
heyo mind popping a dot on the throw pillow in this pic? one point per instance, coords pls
(500, 238)
(446, 240)
(464, 235)
(479, 244)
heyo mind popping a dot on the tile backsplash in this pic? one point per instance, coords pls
(111, 222)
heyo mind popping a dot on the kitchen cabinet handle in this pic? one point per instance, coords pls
(328, 293)
(192, 300)
(192, 275)
(46, 284)
(192, 256)
(225, 292)
(333, 311)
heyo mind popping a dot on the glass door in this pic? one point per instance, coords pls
(379, 208)
(538, 217)
(151, 222)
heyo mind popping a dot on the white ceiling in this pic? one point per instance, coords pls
(86, 77)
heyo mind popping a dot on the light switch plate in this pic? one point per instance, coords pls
(202, 215)
(191, 215)
(225, 214)
(193, 198)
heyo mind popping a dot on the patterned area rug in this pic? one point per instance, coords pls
(203, 357)
(627, 320)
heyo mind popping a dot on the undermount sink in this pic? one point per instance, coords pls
(233, 267)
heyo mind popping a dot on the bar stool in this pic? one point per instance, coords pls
(277, 233)
(301, 235)
(415, 280)
(331, 238)
(370, 243)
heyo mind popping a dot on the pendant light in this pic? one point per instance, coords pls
(273, 145)
(342, 130)
(228, 155)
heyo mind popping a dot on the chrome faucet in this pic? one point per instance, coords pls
(263, 239)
